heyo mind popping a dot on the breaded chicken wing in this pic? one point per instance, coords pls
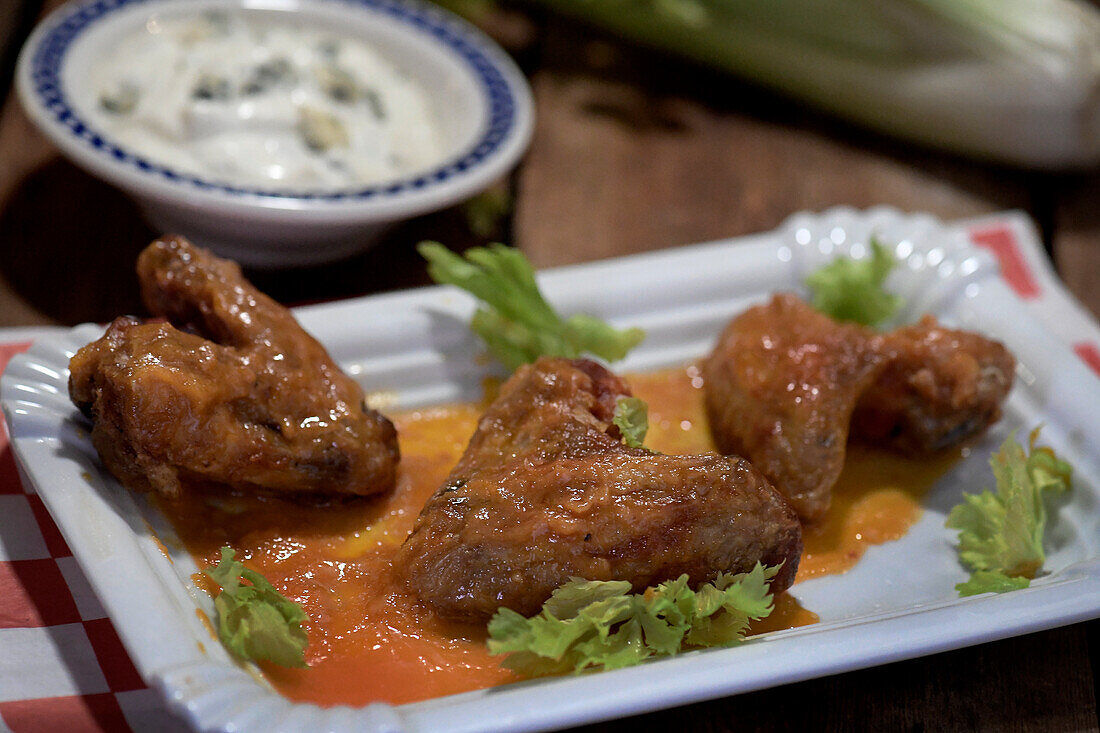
(546, 491)
(785, 385)
(243, 397)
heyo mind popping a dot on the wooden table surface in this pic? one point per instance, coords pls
(633, 151)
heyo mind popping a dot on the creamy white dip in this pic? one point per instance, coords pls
(257, 103)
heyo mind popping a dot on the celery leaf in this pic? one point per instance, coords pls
(254, 620)
(600, 625)
(485, 211)
(852, 290)
(991, 581)
(632, 419)
(1001, 531)
(515, 321)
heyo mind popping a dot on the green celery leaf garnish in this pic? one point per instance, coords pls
(594, 625)
(852, 290)
(991, 581)
(1001, 533)
(255, 621)
(485, 211)
(515, 321)
(632, 419)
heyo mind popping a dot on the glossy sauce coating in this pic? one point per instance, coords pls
(369, 642)
(786, 384)
(547, 491)
(230, 391)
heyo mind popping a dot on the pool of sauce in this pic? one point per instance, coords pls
(370, 642)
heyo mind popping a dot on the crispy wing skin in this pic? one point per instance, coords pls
(546, 491)
(243, 397)
(785, 385)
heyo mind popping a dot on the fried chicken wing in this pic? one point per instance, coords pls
(785, 385)
(546, 491)
(939, 388)
(781, 386)
(242, 397)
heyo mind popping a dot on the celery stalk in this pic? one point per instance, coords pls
(1014, 81)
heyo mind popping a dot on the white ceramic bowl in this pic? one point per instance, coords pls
(481, 99)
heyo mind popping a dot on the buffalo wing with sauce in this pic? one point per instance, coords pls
(230, 391)
(785, 385)
(546, 490)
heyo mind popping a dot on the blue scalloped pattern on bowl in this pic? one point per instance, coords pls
(48, 60)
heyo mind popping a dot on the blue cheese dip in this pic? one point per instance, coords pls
(253, 102)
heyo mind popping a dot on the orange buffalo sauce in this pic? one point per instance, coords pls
(369, 641)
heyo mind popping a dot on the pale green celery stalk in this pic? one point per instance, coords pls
(1015, 81)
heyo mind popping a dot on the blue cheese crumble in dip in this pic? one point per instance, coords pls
(255, 103)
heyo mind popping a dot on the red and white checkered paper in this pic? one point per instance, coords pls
(62, 666)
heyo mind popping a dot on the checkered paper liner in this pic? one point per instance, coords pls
(63, 666)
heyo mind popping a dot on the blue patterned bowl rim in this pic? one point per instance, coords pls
(487, 64)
